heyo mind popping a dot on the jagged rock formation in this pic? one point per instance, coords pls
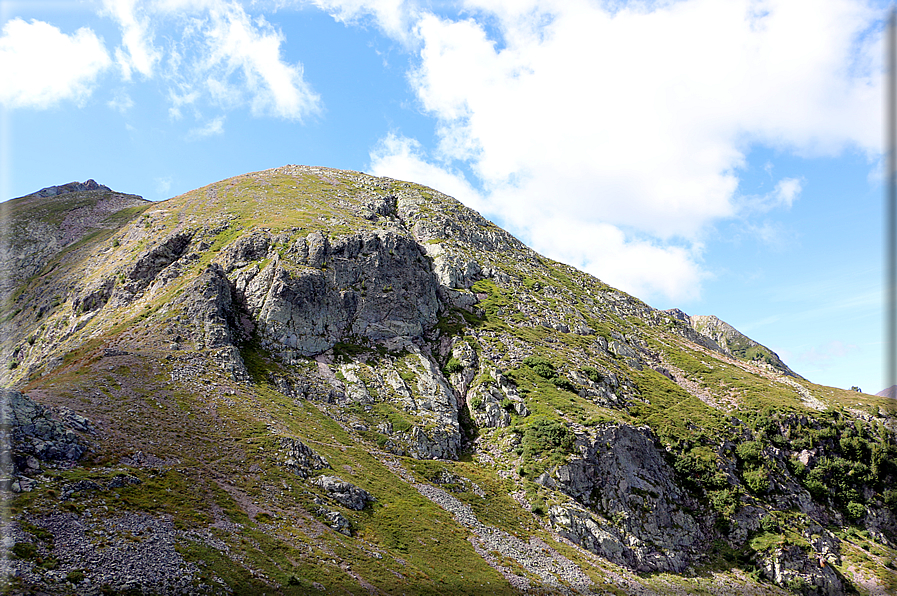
(349, 374)
(657, 531)
(735, 343)
(33, 438)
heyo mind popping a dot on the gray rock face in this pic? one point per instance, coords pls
(210, 307)
(790, 565)
(375, 285)
(154, 260)
(346, 494)
(300, 458)
(35, 436)
(485, 403)
(624, 477)
(55, 191)
(336, 521)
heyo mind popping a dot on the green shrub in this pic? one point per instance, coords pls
(769, 524)
(476, 402)
(696, 465)
(564, 384)
(757, 480)
(75, 576)
(24, 550)
(725, 501)
(856, 510)
(817, 489)
(890, 498)
(749, 451)
(542, 367)
(854, 448)
(592, 374)
(546, 437)
(452, 366)
(797, 467)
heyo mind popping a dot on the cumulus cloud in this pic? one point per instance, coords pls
(639, 266)
(121, 102)
(787, 190)
(631, 125)
(210, 51)
(41, 66)
(403, 158)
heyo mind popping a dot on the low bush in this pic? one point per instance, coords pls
(452, 366)
(542, 367)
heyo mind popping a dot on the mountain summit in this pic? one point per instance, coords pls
(307, 380)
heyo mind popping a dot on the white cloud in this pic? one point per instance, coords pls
(211, 128)
(121, 102)
(636, 121)
(211, 51)
(393, 17)
(138, 52)
(787, 190)
(41, 66)
(641, 267)
(234, 43)
(402, 158)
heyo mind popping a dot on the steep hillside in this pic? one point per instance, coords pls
(307, 380)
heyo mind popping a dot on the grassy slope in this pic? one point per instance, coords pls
(221, 432)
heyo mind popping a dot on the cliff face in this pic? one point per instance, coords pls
(299, 378)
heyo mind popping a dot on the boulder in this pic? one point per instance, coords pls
(346, 494)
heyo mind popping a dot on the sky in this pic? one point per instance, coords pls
(719, 156)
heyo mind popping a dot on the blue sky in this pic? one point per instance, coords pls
(719, 156)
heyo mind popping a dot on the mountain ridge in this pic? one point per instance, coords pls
(338, 366)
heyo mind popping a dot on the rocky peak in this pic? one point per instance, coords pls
(736, 343)
(53, 191)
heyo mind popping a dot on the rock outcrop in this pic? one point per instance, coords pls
(374, 285)
(33, 437)
(623, 477)
(345, 493)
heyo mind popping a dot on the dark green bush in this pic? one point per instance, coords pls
(749, 451)
(856, 510)
(24, 550)
(757, 480)
(452, 366)
(890, 499)
(564, 384)
(542, 367)
(546, 436)
(592, 374)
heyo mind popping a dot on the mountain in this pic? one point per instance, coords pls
(307, 380)
(889, 392)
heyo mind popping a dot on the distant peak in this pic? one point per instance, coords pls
(52, 191)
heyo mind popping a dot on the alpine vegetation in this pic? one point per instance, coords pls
(307, 380)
